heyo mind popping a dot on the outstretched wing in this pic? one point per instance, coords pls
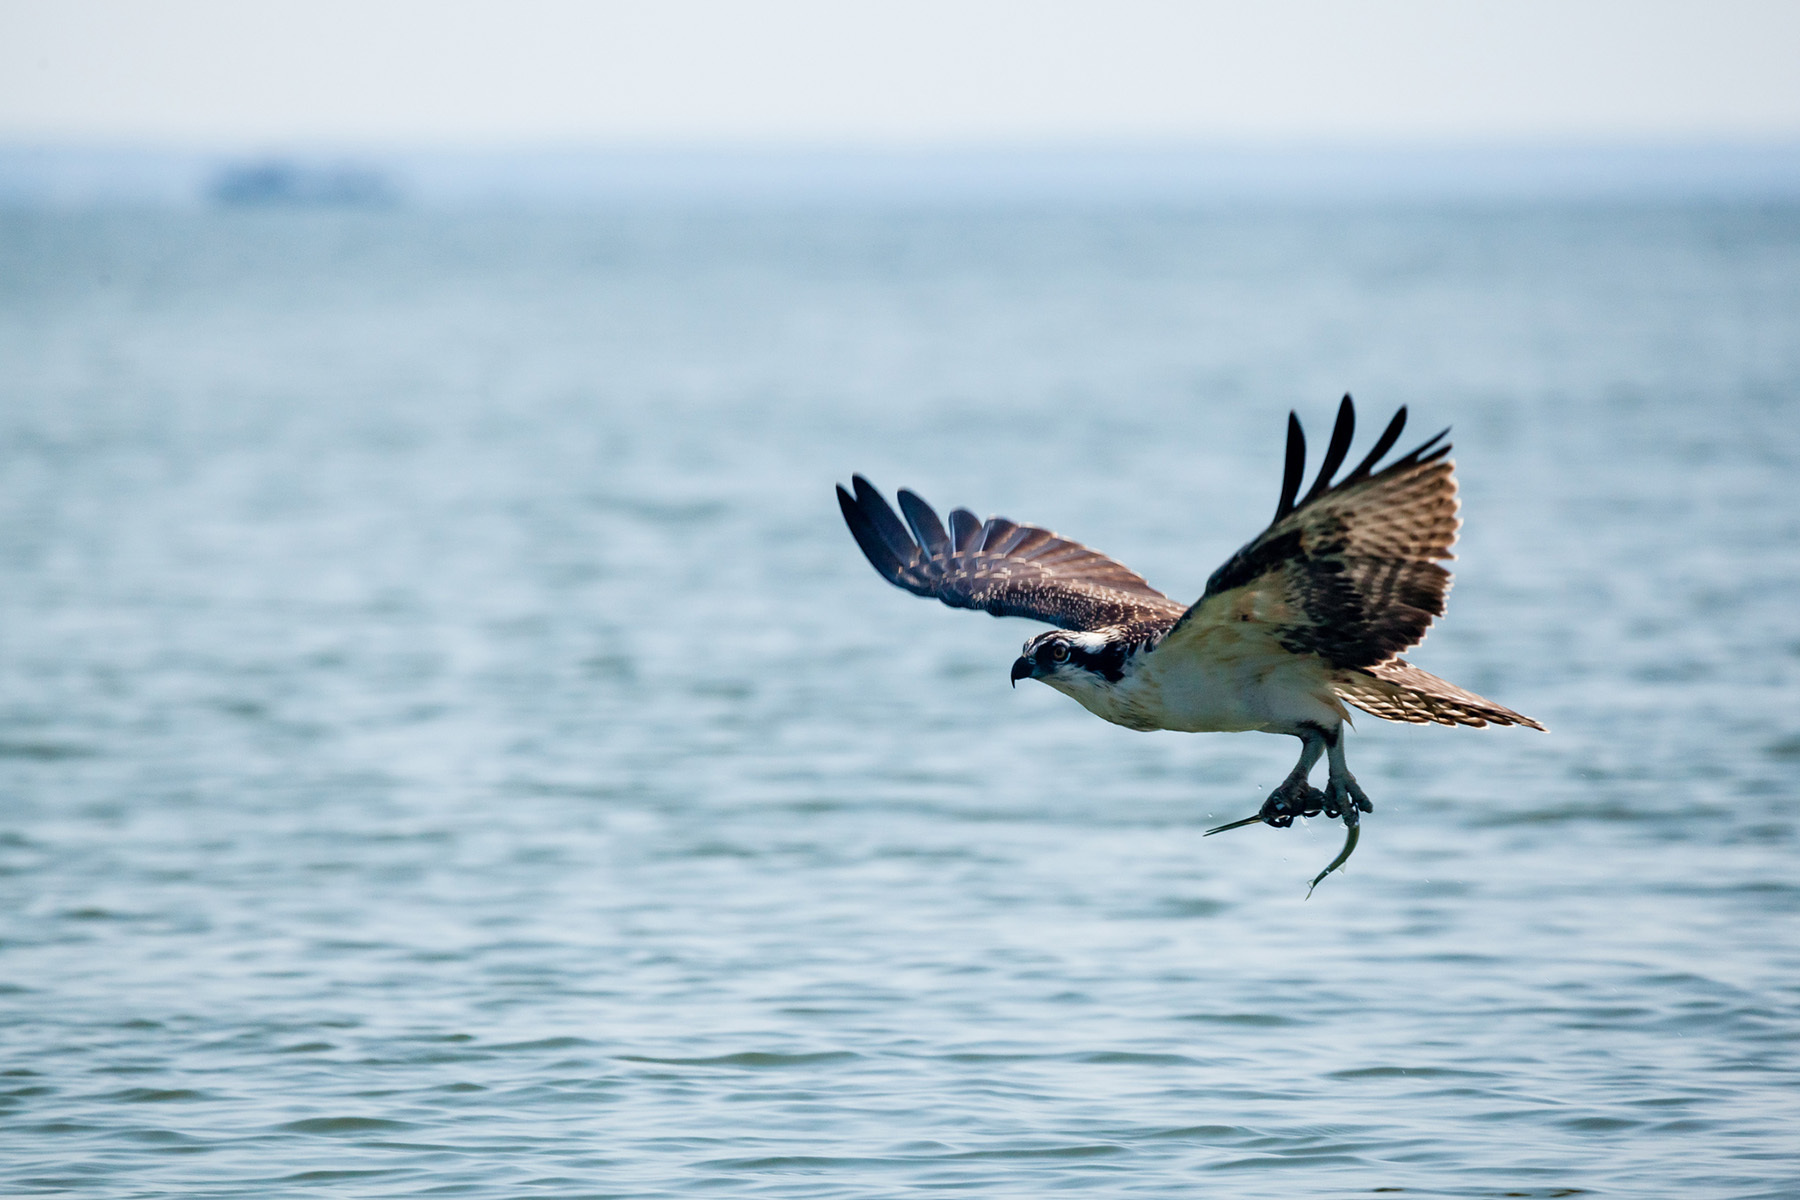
(1350, 570)
(1000, 567)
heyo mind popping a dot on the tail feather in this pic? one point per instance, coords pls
(1398, 691)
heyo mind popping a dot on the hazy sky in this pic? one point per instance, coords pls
(239, 72)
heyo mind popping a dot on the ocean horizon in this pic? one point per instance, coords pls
(75, 174)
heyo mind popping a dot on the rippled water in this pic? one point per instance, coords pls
(450, 746)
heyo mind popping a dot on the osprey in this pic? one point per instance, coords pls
(1310, 615)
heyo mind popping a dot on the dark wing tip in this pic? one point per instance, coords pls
(1342, 434)
(1383, 444)
(1427, 451)
(1431, 451)
(924, 521)
(877, 531)
(1296, 466)
(882, 516)
(965, 530)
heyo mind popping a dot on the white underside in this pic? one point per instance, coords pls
(1226, 681)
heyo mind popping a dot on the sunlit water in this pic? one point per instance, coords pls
(449, 744)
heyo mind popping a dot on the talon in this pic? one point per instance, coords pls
(1298, 798)
(1295, 798)
(1343, 798)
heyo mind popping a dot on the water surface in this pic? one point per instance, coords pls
(450, 746)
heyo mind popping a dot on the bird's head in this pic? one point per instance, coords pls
(1067, 660)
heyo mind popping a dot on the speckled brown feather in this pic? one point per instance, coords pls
(1350, 573)
(1000, 566)
(1398, 691)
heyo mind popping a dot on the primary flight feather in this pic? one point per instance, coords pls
(1309, 615)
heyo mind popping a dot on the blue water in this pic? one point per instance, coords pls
(450, 746)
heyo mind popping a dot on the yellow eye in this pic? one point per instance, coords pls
(1059, 652)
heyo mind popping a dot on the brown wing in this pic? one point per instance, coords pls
(1350, 571)
(1000, 567)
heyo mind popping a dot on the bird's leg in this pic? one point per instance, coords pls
(1295, 797)
(1343, 798)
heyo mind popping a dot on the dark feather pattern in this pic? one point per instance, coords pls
(1396, 690)
(1000, 566)
(925, 524)
(1350, 572)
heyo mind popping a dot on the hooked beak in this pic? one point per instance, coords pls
(1022, 669)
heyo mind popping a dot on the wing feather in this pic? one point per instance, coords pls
(1295, 474)
(1383, 444)
(965, 529)
(925, 524)
(1009, 544)
(994, 532)
(1398, 691)
(1033, 540)
(1350, 572)
(1342, 434)
(881, 518)
(1001, 566)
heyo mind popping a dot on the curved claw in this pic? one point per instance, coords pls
(1256, 820)
(1350, 840)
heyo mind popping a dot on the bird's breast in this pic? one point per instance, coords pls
(1218, 684)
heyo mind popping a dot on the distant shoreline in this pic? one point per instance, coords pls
(70, 175)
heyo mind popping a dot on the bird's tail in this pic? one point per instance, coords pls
(1399, 691)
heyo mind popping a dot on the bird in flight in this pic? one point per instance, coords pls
(1308, 616)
